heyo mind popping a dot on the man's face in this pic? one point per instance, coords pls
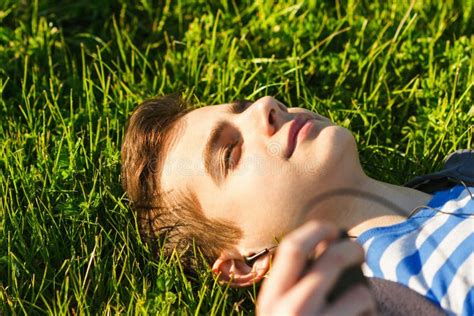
(257, 164)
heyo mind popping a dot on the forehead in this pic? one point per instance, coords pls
(184, 164)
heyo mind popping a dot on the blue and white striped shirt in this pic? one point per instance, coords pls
(431, 252)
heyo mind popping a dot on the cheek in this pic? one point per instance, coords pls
(268, 204)
(267, 221)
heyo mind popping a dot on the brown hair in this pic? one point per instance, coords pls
(180, 226)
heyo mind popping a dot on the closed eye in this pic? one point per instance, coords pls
(239, 106)
(232, 156)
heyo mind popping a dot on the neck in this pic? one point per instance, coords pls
(366, 203)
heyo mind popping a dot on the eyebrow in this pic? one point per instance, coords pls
(210, 159)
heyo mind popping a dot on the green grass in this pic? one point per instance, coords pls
(399, 76)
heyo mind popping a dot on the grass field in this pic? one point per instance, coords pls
(400, 75)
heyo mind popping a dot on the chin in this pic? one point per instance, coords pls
(334, 150)
(342, 142)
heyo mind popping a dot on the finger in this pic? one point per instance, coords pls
(356, 301)
(292, 256)
(312, 290)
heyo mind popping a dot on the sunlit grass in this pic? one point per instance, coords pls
(400, 75)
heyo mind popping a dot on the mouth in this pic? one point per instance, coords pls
(295, 127)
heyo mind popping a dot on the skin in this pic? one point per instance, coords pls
(289, 291)
(285, 292)
(268, 194)
(243, 192)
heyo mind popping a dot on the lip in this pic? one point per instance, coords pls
(295, 127)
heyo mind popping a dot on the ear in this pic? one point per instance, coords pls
(238, 273)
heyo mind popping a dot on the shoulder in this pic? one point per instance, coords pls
(395, 299)
(458, 168)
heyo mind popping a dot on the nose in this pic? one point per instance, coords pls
(267, 115)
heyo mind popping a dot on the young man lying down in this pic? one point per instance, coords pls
(235, 179)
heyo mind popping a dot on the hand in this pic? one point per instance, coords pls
(288, 292)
